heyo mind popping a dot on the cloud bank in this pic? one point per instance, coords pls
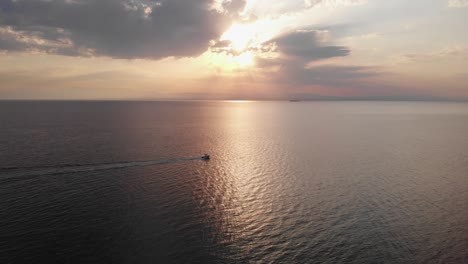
(296, 50)
(115, 28)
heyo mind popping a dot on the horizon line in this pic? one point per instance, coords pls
(244, 100)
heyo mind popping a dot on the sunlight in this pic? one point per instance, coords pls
(244, 59)
(245, 36)
(230, 62)
(240, 35)
(239, 101)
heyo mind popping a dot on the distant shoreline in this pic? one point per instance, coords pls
(239, 100)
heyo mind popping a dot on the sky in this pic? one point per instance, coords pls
(234, 49)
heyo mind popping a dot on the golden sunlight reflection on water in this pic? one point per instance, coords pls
(257, 200)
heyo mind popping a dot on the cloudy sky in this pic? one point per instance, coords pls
(234, 49)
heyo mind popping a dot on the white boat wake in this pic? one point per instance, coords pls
(11, 173)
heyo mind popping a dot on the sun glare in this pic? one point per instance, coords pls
(230, 62)
(244, 59)
(240, 36)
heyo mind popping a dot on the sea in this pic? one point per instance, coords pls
(287, 182)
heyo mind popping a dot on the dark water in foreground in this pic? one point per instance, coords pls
(307, 182)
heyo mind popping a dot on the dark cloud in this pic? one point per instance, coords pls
(222, 46)
(294, 53)
(305, 46)
(9, 41)
(116, 28)
(13, 40)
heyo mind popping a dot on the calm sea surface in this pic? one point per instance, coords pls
(305, 182)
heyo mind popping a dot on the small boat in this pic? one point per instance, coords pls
(205, 157)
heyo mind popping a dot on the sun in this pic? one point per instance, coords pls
(244, 59)
(240, 36)
(238, 54)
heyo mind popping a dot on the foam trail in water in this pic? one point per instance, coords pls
(15, 172)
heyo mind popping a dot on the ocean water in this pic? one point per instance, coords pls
(288, 182)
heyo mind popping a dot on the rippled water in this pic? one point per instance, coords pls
(306, 182)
